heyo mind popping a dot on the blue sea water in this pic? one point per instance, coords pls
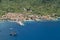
(45, 30)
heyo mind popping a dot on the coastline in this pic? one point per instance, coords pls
(21, 18)
(22, 22)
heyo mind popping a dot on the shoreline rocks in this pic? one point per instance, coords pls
(23, 17)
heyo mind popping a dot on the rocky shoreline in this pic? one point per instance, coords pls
(23, 17)
(19, 18)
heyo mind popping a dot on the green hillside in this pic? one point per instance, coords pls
(30, 6)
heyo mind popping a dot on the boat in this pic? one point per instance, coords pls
(13, 34)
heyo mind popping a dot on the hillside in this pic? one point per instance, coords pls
(30, 6)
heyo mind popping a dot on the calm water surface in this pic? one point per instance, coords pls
(48, 30)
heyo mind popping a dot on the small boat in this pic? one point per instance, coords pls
(13, 34)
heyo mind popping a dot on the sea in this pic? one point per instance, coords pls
(31, 30)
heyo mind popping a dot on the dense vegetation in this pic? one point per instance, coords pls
(30, 6)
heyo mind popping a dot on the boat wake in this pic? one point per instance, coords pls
(19, 22)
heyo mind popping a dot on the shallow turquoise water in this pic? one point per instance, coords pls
(47, 30)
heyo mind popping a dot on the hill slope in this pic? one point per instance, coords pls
(36, 6)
